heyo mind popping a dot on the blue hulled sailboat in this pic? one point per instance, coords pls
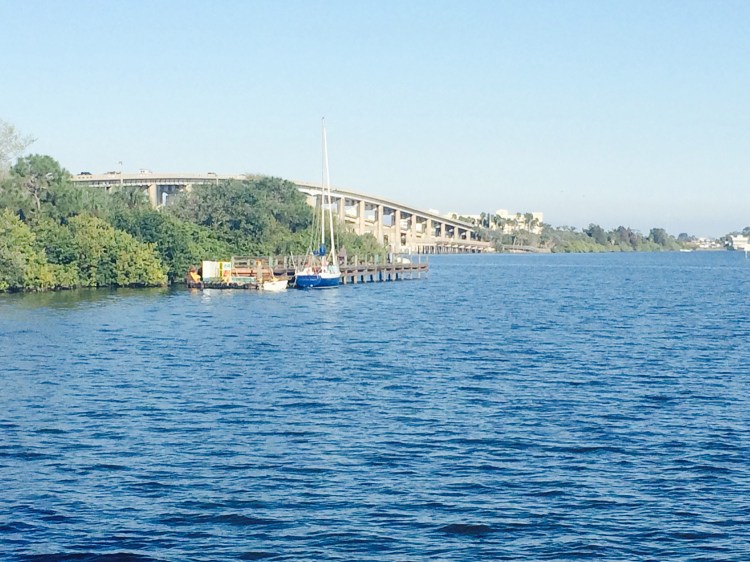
(320, 268)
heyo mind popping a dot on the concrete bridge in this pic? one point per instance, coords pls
(400, 227)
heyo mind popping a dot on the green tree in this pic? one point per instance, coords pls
(180, 244)
(22, 265)
(597, 233)
(130, 197)
(36, 174)
(626, 238)
(108, 257)
(56, 240)
(528, 218)
(65, 199)
(359, 245)
(659, 236)
(255, 216)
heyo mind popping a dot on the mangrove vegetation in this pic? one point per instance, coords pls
(55, 234)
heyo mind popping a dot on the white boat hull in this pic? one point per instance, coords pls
(275, 286)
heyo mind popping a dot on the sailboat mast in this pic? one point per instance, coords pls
(327, 189)
(324, 180)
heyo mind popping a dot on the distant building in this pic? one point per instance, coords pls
(516, 221)
(708, 243)
(739, 242)
(506, 221)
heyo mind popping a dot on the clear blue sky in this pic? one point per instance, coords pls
(632, 112)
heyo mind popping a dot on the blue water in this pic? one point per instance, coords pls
(548, 407)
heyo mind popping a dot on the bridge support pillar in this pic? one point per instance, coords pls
(397, 229)
(153, 195)
(379, 223)
(361, 217)
(413, 233)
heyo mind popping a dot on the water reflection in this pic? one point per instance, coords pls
(79, 298)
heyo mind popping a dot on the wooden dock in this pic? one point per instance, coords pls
(370, 269)
(354, 270)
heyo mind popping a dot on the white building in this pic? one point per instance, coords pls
(508, 222)
(740, 242)
(512, 222)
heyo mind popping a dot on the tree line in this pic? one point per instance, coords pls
(594, 238)
(527, 231)
(55, 234)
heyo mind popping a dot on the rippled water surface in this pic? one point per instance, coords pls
(507, 407)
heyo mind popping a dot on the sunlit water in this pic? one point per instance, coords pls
(507, 407)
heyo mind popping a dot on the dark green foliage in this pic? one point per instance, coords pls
(596, 239)
(109, 257)
(597, 233)
(23, 263)
(129, 197)
(38, 187)
(50, 238)
(567, 240)
(33, 177)
(56, 240)
(56, 234)
(355, 245)
(659, 236)
(180, 244)
(19, 259)
(256, 216)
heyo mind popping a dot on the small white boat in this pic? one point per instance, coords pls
(273, 285)
(266, 280)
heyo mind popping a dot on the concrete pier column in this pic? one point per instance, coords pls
(397, 228)
(342, 209)
(413, 232)
(361, 217)
(153, 195)
(379, 223)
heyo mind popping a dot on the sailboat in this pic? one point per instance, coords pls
(320, 268)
